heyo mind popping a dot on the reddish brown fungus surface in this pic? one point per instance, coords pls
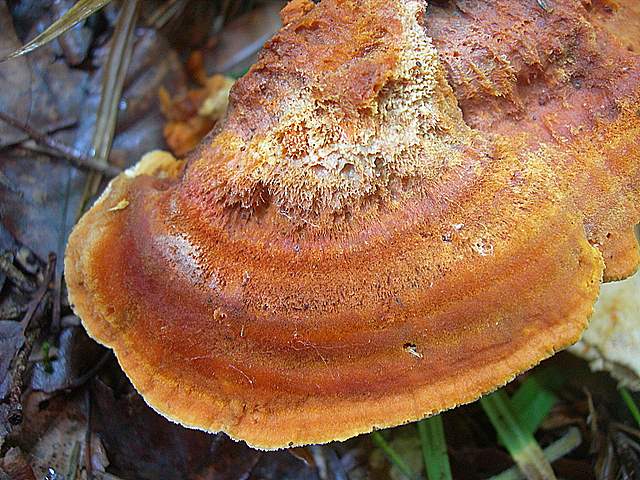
(406, 206)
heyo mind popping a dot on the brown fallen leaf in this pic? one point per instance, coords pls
(16, 466)
(192, 115)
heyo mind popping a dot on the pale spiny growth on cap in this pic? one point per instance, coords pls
(404, 134)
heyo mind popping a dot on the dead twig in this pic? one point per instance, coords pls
(85, 377)
(40, 293)
(62, 150)
(55, 303)
(12, 272)
(8, 184)
(21, 360)
(87, 437)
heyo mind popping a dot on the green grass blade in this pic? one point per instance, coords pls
(392, 455)
(523, 448)
(434, 448)
(558, 449)
(80, 11)
(533, 401)
(631, 404)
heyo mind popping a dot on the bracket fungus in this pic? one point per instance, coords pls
(407, 204)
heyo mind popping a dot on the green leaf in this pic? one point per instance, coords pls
(392, 455)
(520, 443)
(80, 11)
(434, 448)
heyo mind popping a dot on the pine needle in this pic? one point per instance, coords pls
(165, 13)
(114, 74)
(74, 458)
(76, 14)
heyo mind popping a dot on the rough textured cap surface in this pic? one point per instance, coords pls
(406, 206)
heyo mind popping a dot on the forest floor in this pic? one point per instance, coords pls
(67, 411)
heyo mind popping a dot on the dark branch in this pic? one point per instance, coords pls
(77, 159)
